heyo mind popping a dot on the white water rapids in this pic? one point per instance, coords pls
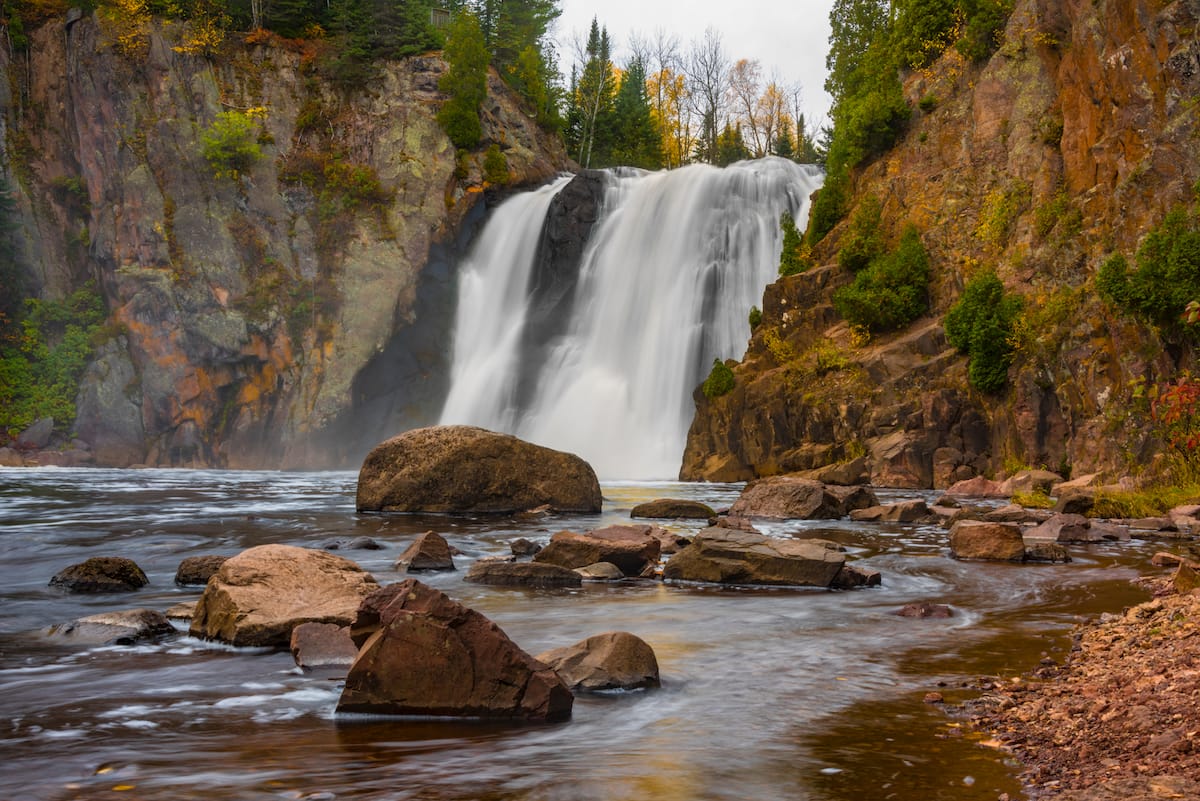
(667, 278)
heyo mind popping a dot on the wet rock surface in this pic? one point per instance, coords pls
(101, 574)
(615, 660)
(462, 469)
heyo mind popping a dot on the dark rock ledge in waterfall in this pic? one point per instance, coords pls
(422, 653)
(725, 556)
(257, 597)
(463, 469)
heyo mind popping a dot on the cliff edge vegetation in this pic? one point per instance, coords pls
(1043, 158)
(223, 248)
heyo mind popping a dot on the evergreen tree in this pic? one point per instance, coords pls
(783, 146)
(399, 28)
(730, 146)
(595, 99)
(465, 81)
(636, 140)
(12, 284)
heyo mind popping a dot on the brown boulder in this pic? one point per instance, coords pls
(1043, 551)
(853, 577)
(725, 556)
(632, 548)
(673, 509)
(117, 628)
(197, 570)
(260, 595)
(843, 473)
(1030, 481)
(422, 653)
(601, 571)
(428, 552)
(523, 547)
(521, 574)
(101, 574)
(788, 497)
(1062, 528)
(1013, 513)
(1186, 579)
(971, 539)
(1077, 501)
(322, 645)
(615, 660)
(978, 487)
(466, 469)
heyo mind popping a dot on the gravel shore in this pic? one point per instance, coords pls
(1120, 721)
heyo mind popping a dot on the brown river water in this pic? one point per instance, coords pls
(767, 694)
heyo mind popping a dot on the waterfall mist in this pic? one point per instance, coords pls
(668, 274)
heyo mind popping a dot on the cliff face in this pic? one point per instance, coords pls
(1075, 138)
(251, 316)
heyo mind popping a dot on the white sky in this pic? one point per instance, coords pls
(789, 39)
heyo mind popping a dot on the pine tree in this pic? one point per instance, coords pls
(595, 98)
(636, 140)
(731, 146)
(465, 81)
(783, 146)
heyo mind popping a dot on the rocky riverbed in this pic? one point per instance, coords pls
(1120, 721)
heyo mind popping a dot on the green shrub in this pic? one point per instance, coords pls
(892, 291)
(720, 380)
(755, 317)
(465, 81)
(985, 27)
(40, 369)
(1167, 276)
(828, 207)
(792, 259)
(928, 103)
(863, 242)
(230, 144)
(495, 166)
(981, 325)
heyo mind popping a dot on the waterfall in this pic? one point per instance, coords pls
(667, 277)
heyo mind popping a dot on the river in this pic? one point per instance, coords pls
(767, 694)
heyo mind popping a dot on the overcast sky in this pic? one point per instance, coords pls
(789, 39)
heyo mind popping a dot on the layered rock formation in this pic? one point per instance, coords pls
(1066, 146)
(292, 315)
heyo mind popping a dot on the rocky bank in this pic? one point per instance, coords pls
(283, 317)
(1066, 146)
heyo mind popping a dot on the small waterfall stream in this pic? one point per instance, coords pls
(668, 275)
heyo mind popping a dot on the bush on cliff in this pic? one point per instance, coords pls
(1167, 275)
(792, 259)
(231, 144)
(892, 291)
(719, 382)
(981, 324)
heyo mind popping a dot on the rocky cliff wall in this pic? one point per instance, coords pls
(246, 311)
(1075, 138)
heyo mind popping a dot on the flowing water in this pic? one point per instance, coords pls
(665, 284)
(767, 694)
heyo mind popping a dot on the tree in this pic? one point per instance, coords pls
(594, 97)
(743, 81)
(707, 68)
(636, 141)
(465, 81)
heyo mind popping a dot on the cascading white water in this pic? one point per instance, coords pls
(672, 267)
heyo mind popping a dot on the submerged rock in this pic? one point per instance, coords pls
(117, 628)
(925, 609)
(462, 469)
(601, 571)
(101, 574)
(615, 660)
(673, 509)
(632, 548)
(260, 595)
(725, 556)
(521, 574)
(421, 653)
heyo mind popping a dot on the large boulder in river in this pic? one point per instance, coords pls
(462, 469)
(260, 595)
(197, 570)
(421, 653)
(789, 497)
(101, 574)
(615, 660)
(726, 556)
(428, 552)
(633, 548)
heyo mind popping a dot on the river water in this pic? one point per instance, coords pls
(773, 694)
